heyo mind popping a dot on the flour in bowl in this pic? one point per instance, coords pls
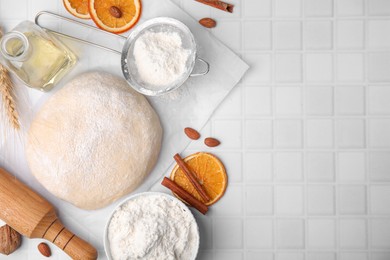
(152, 227)
(160, 58)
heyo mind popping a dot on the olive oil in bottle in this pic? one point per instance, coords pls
(35, 57)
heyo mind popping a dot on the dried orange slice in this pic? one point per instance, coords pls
(78, 8)
(116, 16)
(209, 171)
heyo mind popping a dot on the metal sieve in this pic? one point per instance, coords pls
(129, 69)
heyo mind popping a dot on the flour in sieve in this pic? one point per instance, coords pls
(152, 227)
(160, 58)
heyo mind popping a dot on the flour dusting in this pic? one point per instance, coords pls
(152, 227)
(160, 58)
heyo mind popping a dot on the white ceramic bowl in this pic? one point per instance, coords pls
(181, 204)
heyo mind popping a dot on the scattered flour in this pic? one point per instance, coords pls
(152, 227)
(160, 58)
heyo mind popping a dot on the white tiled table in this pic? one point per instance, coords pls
(306, 135)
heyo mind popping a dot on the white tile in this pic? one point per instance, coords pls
(319, 133)
(205, 255)
(320, 256)
(379, 133)
(288, 133)
(228, 238)
(353, 233)
(377, 67)
(353, 256)
(378, 100)
(289, 200)
(230, 39)
(319, 67)
(287, 8)
(378, 38)
(256, 255)
(319, 100)
(259, 233)
(199, 11)
(378, 166)
(205, 229)
(257, 35)
(257, 167)
(321, 233)
(259, 200)
(318, 35)
(349, 100)
(232, 139)
(290, 234)
(380, 233)
(352, 199)
(16, 9)
(40, 5)
(380, 200)
(258, 133)
(231, 204)
(288, 100)
(233, 165)
(320, 166)
(288, 67)
(379, 255)
(287, 35)
(256, 8)
(350, 67)
(260, 68)
(320, 200)
(318, 7)
(257, 101)
(350, 7)
(351, 166)
(290, 256)
(288, 166)
(350, 133)
(350, 34)
(232, 105)
(227, 255)
(379, 7)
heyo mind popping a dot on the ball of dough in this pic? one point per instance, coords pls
(94, 141)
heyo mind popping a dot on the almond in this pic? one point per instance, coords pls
(44, 249)
(208, 22)
(211, 142)
(191, 133)
(115, 11)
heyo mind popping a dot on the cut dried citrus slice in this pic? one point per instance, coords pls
(209, 171)
(78, 8)
(116, 16)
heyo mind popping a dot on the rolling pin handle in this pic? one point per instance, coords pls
(74, 246)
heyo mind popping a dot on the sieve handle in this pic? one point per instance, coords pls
(207, 69)
(46, 13)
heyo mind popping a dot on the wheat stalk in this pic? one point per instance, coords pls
(6, 90)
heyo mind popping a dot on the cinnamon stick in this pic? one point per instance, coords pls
(193, 202)
(218, 4)
(191, 177)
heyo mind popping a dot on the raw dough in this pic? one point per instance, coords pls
(94, 141)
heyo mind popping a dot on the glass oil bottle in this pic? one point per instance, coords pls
(36, 57)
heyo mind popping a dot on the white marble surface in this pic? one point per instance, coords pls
(306, 135)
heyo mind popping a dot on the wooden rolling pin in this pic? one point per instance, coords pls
(34, 217)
